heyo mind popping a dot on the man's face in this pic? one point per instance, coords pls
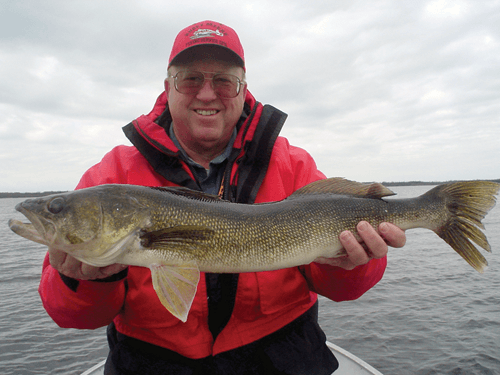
(203, 121)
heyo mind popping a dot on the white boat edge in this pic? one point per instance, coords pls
(96, 369)
(349, 364)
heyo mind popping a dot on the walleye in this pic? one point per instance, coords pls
(177, 232)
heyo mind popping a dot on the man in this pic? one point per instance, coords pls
(207, 132)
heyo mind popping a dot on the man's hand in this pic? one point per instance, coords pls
(374, 245)
(72, 267)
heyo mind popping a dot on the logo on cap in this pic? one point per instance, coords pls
(203, 33)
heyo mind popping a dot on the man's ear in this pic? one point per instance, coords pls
(167, 86)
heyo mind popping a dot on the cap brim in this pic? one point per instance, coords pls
(207, 51)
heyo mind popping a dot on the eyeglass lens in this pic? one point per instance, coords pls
(224, 85)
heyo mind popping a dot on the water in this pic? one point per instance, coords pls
(30, 342)
(430, 314)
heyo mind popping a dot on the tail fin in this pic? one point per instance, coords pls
(468, 203)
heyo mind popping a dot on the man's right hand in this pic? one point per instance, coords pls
(72, 267)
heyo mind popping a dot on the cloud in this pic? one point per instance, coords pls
(381, 90)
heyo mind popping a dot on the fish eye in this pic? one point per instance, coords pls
(56, 205)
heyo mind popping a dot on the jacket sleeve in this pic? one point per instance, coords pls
(338, 284)
(78, 303)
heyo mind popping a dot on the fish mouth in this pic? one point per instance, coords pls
(26, 230)
(39, 229)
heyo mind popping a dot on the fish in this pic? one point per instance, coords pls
(178, 233)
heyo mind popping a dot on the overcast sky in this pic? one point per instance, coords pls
(375, 90)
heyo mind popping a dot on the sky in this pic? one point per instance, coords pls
(382, 90)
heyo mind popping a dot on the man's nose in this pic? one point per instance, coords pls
(207, 91)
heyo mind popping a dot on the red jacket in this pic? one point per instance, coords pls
(265, 301)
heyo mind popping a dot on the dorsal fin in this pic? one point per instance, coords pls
(188, 193)
(342, 186)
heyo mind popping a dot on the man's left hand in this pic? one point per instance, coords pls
(373, 245)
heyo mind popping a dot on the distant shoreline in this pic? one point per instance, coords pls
(28, 195)
(405, 183)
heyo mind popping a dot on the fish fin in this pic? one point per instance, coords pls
(468, 203)
(341, 186)
(188, 193)
(176, 286)
(180, 234)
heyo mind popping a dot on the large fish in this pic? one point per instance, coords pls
(178, 232)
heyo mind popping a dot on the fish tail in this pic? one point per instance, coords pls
(468, 203)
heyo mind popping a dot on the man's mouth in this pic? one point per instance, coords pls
(206, 112)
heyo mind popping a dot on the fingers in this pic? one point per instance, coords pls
(342, 262)
(369, 245)
(112, 269)
(355, 251)
(65, 264)
(372, 244)
(393, 235)
(72, 267)
(94, 273)
(375, 245)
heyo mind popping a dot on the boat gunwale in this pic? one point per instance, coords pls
(365, 367)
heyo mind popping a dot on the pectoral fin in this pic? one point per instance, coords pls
(175, 286)
(174, 236)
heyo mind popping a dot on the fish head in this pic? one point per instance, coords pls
(86, 223)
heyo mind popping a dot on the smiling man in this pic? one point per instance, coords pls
(205, 104)
(207, 132)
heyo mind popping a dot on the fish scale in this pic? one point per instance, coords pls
(178, 233)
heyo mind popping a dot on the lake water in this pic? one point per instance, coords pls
(430, 314)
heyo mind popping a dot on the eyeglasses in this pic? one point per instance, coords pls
(224, 85)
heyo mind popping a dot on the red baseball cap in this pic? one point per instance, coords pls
(207, 33)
